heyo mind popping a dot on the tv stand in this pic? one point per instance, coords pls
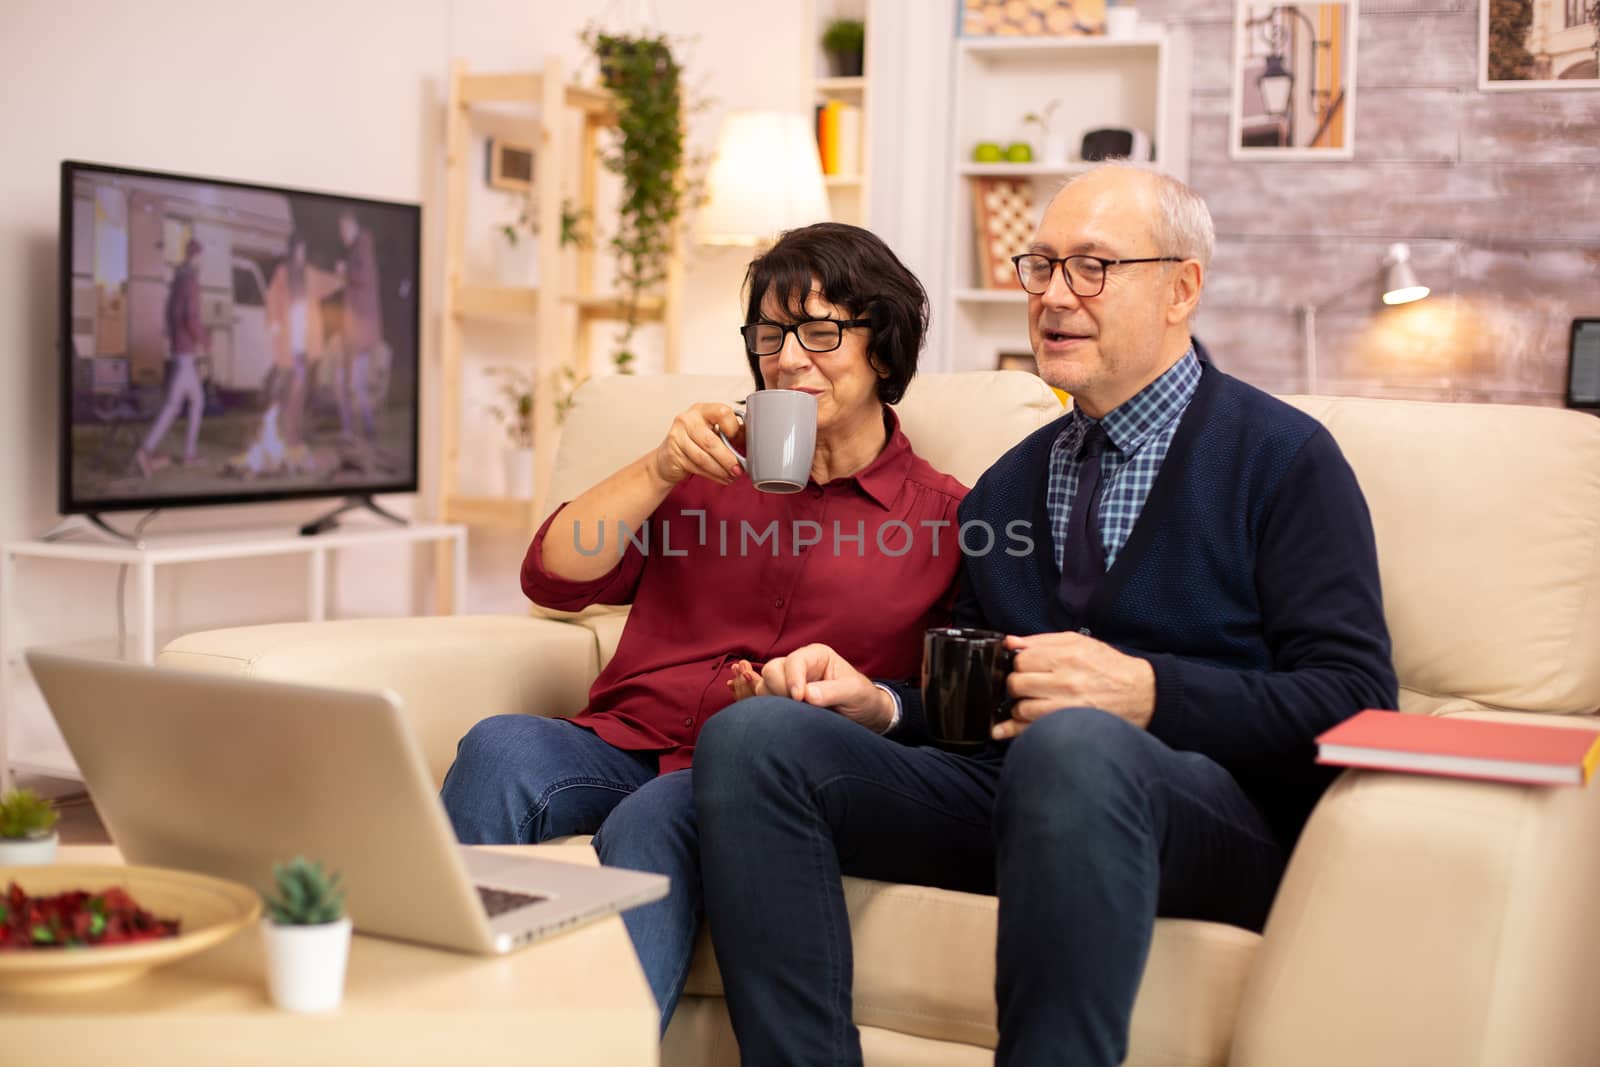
(143, 560)
(92, 524)
(331, 519)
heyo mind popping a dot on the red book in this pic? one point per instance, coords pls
(1462, 748)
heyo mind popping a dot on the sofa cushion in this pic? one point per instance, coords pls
(448, 671)
(960, 423)
(1488, 527)
(607, 630)
(942, 988)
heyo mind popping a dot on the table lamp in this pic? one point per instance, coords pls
(765, 178)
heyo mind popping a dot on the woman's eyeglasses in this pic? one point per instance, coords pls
(815, 335)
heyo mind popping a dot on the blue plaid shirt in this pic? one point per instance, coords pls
(1139, 433)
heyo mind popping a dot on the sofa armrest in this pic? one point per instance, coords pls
(448, 671)
(1432, 921)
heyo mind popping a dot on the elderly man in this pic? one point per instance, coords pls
(1202, 601)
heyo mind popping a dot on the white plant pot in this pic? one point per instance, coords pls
(519, 473)
(1056, 150)
(28, 851)
(306, 964)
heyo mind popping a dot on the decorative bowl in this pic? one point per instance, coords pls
(209, 911)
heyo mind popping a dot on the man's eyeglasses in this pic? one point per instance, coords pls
(815, 335)
(1085, 275)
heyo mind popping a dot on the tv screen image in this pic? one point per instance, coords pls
(227, 342)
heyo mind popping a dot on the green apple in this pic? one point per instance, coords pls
(1019, 152)
(987, 152)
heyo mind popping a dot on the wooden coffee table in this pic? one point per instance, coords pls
(576, 998)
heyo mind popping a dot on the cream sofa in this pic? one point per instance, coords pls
(1422, 921)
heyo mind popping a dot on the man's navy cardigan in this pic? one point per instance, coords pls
(1249, 583)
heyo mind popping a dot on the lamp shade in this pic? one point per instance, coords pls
(765, 177)
(1400, 285)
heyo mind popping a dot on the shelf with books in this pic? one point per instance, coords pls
(840, 105)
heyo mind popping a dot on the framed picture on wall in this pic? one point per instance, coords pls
(1538, 44)
(1294, 80)
(510, 166)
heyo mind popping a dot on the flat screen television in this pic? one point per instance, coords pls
(226, 342)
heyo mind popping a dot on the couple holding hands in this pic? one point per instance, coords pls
(1195, 598)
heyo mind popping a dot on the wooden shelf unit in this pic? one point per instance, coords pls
(847, 193)
(565, 121)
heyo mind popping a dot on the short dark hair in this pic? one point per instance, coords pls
(856, 273)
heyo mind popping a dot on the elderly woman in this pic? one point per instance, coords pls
(729, 577)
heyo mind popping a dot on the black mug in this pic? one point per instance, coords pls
(964, 686)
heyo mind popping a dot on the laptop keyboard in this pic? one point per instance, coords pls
(500, 901)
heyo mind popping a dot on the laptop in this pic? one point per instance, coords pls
(227, 775)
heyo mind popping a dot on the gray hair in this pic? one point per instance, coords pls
(1183, 227)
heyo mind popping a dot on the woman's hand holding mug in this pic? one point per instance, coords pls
(692, 446)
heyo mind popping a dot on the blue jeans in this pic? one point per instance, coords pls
(520, 779)
(1086, 827)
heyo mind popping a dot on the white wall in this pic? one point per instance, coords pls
(340, 96)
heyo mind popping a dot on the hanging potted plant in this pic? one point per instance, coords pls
(307, 937)
(647, 81)
(845, 41)
(27, 829)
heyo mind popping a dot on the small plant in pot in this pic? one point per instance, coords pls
(306, 935)
(845, 41)
(512, 407)
(27, 829)
(1055, 142)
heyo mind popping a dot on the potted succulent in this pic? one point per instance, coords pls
(27, 829)
(845, 41)
(306, 935)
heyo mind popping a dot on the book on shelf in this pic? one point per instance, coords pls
(830, 135)
(1529, 752)
(848, 155)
